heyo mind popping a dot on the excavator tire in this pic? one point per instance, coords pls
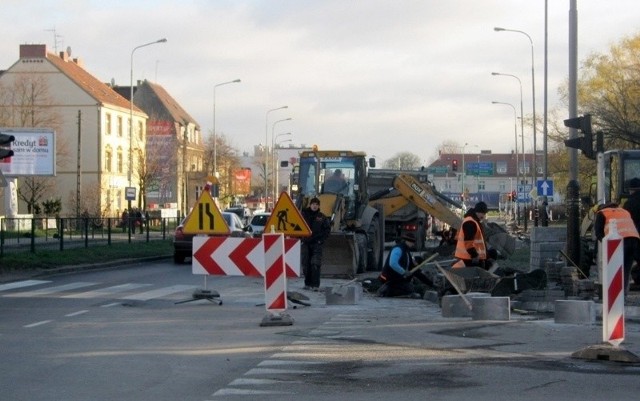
(373, 245)
(361, 243)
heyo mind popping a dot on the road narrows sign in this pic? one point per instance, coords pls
(287, 219)
(205, 218)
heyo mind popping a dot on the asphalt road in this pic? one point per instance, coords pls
(123, 334)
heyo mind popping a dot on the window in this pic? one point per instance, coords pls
(119, 125)
(140, 131)
(501, 167)
(503, 186)
(108, 124)
(120, 161)
(108, 159)
(480, 186)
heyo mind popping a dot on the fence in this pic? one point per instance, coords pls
(17, 234)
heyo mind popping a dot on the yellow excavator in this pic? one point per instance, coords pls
(356, 243)
(408, 191)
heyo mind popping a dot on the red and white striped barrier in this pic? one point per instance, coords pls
(612, 263)
(226, 256)
(275, 280)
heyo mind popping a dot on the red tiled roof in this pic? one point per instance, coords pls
(90, 84)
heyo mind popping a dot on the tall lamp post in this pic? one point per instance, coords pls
(515, 133)
(277, 168)
(266, 155)
(215, 138)
(533, 94)
(521, 122)
(272, 145)
(163, 40)
(274, 142)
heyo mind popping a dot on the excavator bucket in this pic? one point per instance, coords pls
(340, 255)
(499, 239)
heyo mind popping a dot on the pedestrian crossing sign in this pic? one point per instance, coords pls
(287, 219)
(205, 218)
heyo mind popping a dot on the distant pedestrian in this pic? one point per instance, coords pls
(311, 250)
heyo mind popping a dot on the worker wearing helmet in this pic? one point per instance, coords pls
(471, 248)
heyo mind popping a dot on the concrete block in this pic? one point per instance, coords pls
(575, 312)
(491, 308)
(454, 305)
(343, 294)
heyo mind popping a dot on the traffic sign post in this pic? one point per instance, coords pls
(545, 187)
(287, 219)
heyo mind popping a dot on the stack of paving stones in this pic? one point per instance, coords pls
(546, 243)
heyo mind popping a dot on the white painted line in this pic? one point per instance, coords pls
(80, 312)
(104, 292)
(289, 362)
(237, 391)
(50, 290)
(160, 292)
(267, 371)
(110, 305)
(253, 382)
(21, 284)
(28, 326)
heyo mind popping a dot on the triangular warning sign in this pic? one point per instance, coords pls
(205, 217)
(286, 219)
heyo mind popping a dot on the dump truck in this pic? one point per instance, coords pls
(356, 242)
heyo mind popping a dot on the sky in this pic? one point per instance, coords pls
(380, 76)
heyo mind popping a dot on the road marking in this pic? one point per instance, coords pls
(28, 326)
(80, 312)
(21, 284)
(111, 304)
(50, 290)
(145, 296)
(104, 292)
(238, 391)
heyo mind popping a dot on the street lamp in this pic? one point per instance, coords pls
(215, 139)
(515, 132)
(272, 143)
(163, 40)
(266, 155)
(533, 94)
(521, 124)
(277, 169)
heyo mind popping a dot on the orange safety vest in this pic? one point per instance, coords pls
(477, 242)
(623, 219)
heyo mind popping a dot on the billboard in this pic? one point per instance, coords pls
(34, 153)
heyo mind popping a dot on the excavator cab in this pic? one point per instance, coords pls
(339, 179)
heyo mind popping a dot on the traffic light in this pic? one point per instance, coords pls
(5, 143)
(454, 165)
(584, 143)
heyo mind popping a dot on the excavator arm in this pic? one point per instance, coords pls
(429, 200)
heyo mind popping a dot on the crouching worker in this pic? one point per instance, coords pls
(395, 275)
(471, 248)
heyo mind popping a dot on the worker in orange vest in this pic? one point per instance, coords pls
(626, 229)
(471, 248)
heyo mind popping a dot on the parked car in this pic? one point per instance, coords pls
(257, 223)
(183, 243)
(242, 211)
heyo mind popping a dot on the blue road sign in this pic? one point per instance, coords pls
(523, 193)
(545, 187)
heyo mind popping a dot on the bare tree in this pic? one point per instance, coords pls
(27, 102)
(403, 161)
